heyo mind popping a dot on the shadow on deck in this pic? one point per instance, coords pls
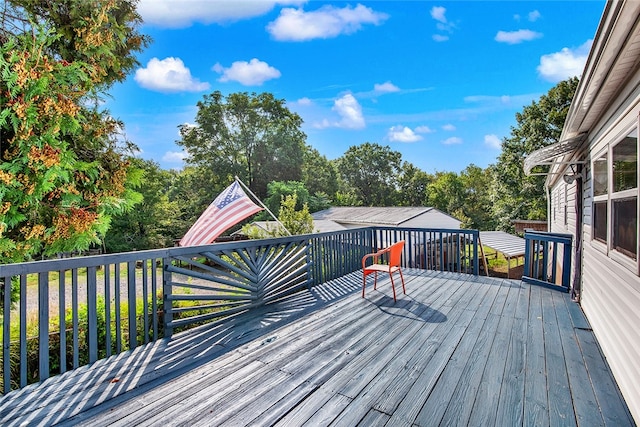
(456, 350)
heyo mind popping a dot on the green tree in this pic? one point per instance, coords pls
(370, 171)
(516, 196)
(253, 136)
(296, 221)
(319, 174)
(152, 223)
(278, 190)
(191, 191)
(64, 171)
(446, 193)
(413, 184)
(476, 204)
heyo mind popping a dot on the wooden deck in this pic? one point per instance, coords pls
(456, 350)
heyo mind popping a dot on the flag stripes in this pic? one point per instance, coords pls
(228, 209)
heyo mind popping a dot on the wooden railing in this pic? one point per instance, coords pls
(547, 259)
(75, 311)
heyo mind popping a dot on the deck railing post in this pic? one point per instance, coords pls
(166, 298)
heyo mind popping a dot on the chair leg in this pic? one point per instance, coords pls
(393, 287)
(375, 279)
(364, 283)
(402, 278)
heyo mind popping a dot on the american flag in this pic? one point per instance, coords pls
(229, 208)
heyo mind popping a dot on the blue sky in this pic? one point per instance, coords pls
(439, 82)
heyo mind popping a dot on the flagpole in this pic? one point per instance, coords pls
(262, 204)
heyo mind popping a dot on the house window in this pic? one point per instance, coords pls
(625, 226)
(600, 190)
(615, 197)
(600, 174)
(625, 195)
(600, 221)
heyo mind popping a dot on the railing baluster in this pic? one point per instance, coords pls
(154, 297)
(92, 314)
(43, 325)
(131, 295)
(117, 306)
(145, 299)
(107, 309)
(167, 305)
(23, 330)
(74, 311)
(63, 320)
(6, 335)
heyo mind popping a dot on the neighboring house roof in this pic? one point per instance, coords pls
(319, 226)
(388, 216)
(325, 225)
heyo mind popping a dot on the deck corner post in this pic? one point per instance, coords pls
(166, 298)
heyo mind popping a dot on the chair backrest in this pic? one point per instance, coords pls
(395, 252)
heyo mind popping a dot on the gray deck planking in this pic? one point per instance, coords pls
(456, 350)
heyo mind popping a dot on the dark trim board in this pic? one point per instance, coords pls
(456, 350)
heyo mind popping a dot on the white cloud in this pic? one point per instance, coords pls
(326, 22)
(174, 156)
(168, 75)
(386, 87)
(424, 129)
(492, 141)
(559, 66)
(437, 13)
(402, 134)
(349, 111)
(181, 13)
(304, 101)
(534, 16)
(443, 24)
(453, 140)
(449, 127)
(516, 37)
(252, 73)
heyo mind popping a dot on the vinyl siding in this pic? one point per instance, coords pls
(610, 294)
(611, 300)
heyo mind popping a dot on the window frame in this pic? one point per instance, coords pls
(607, 246)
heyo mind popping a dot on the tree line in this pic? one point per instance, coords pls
(255, 137)
(69, 180)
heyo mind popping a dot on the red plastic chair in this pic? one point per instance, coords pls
(395, 252)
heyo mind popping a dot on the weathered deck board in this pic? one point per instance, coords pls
(456, 350)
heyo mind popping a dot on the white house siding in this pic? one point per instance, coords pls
(611, 301)
(610, 295)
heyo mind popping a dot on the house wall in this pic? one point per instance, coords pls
(610, 294)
